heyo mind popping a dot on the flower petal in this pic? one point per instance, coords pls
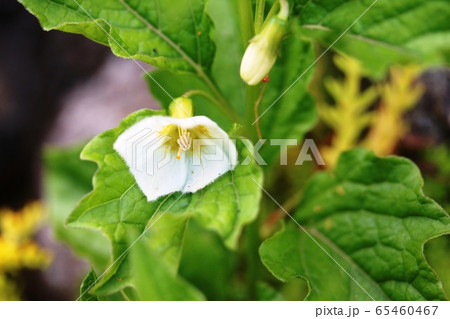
(148, 155)
(214, 158)
(153, 163)
(213, 154)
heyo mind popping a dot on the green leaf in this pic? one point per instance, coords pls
(66, 180)
(88, 281)
(216, 262)
(437, 183)
(227, 61)
(288, 112)
(118, 207)
(164, 237)
(371, 217)
(154, 280)
(171, 35)
(389, 32)
(225, 69)
(436, 252)
(264, 292)
(231, 201)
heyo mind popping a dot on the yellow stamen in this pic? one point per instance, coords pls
(179, 153)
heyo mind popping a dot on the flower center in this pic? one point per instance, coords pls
(184, 141)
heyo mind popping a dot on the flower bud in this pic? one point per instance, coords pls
(261, 54)
(181, 108)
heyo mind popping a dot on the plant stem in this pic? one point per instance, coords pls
(220, 99)
(247, 32)
(251, 95)
(273, 11)
(226, 110)
(280, 213)
(259, 15)
(258, 101)
(245, 13)
(124, 295)
(202, 93)
(252, 257)
(284, 9)
(251, 240)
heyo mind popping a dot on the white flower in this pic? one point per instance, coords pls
(261, 54)
(174, 153)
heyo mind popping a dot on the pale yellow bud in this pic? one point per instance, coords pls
(261, 54)
(181, 108)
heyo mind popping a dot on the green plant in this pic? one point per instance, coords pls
(363, 225)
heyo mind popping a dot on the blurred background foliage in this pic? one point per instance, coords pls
(18, 250)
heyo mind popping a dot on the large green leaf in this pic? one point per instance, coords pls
(370, 217)
(217, 262)
(154, 278)
(164, 238)
(389, 32)
(117, 207)
(227, 61)
(172, 34)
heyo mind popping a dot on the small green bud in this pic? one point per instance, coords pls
(261, 54)
(181, 108)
